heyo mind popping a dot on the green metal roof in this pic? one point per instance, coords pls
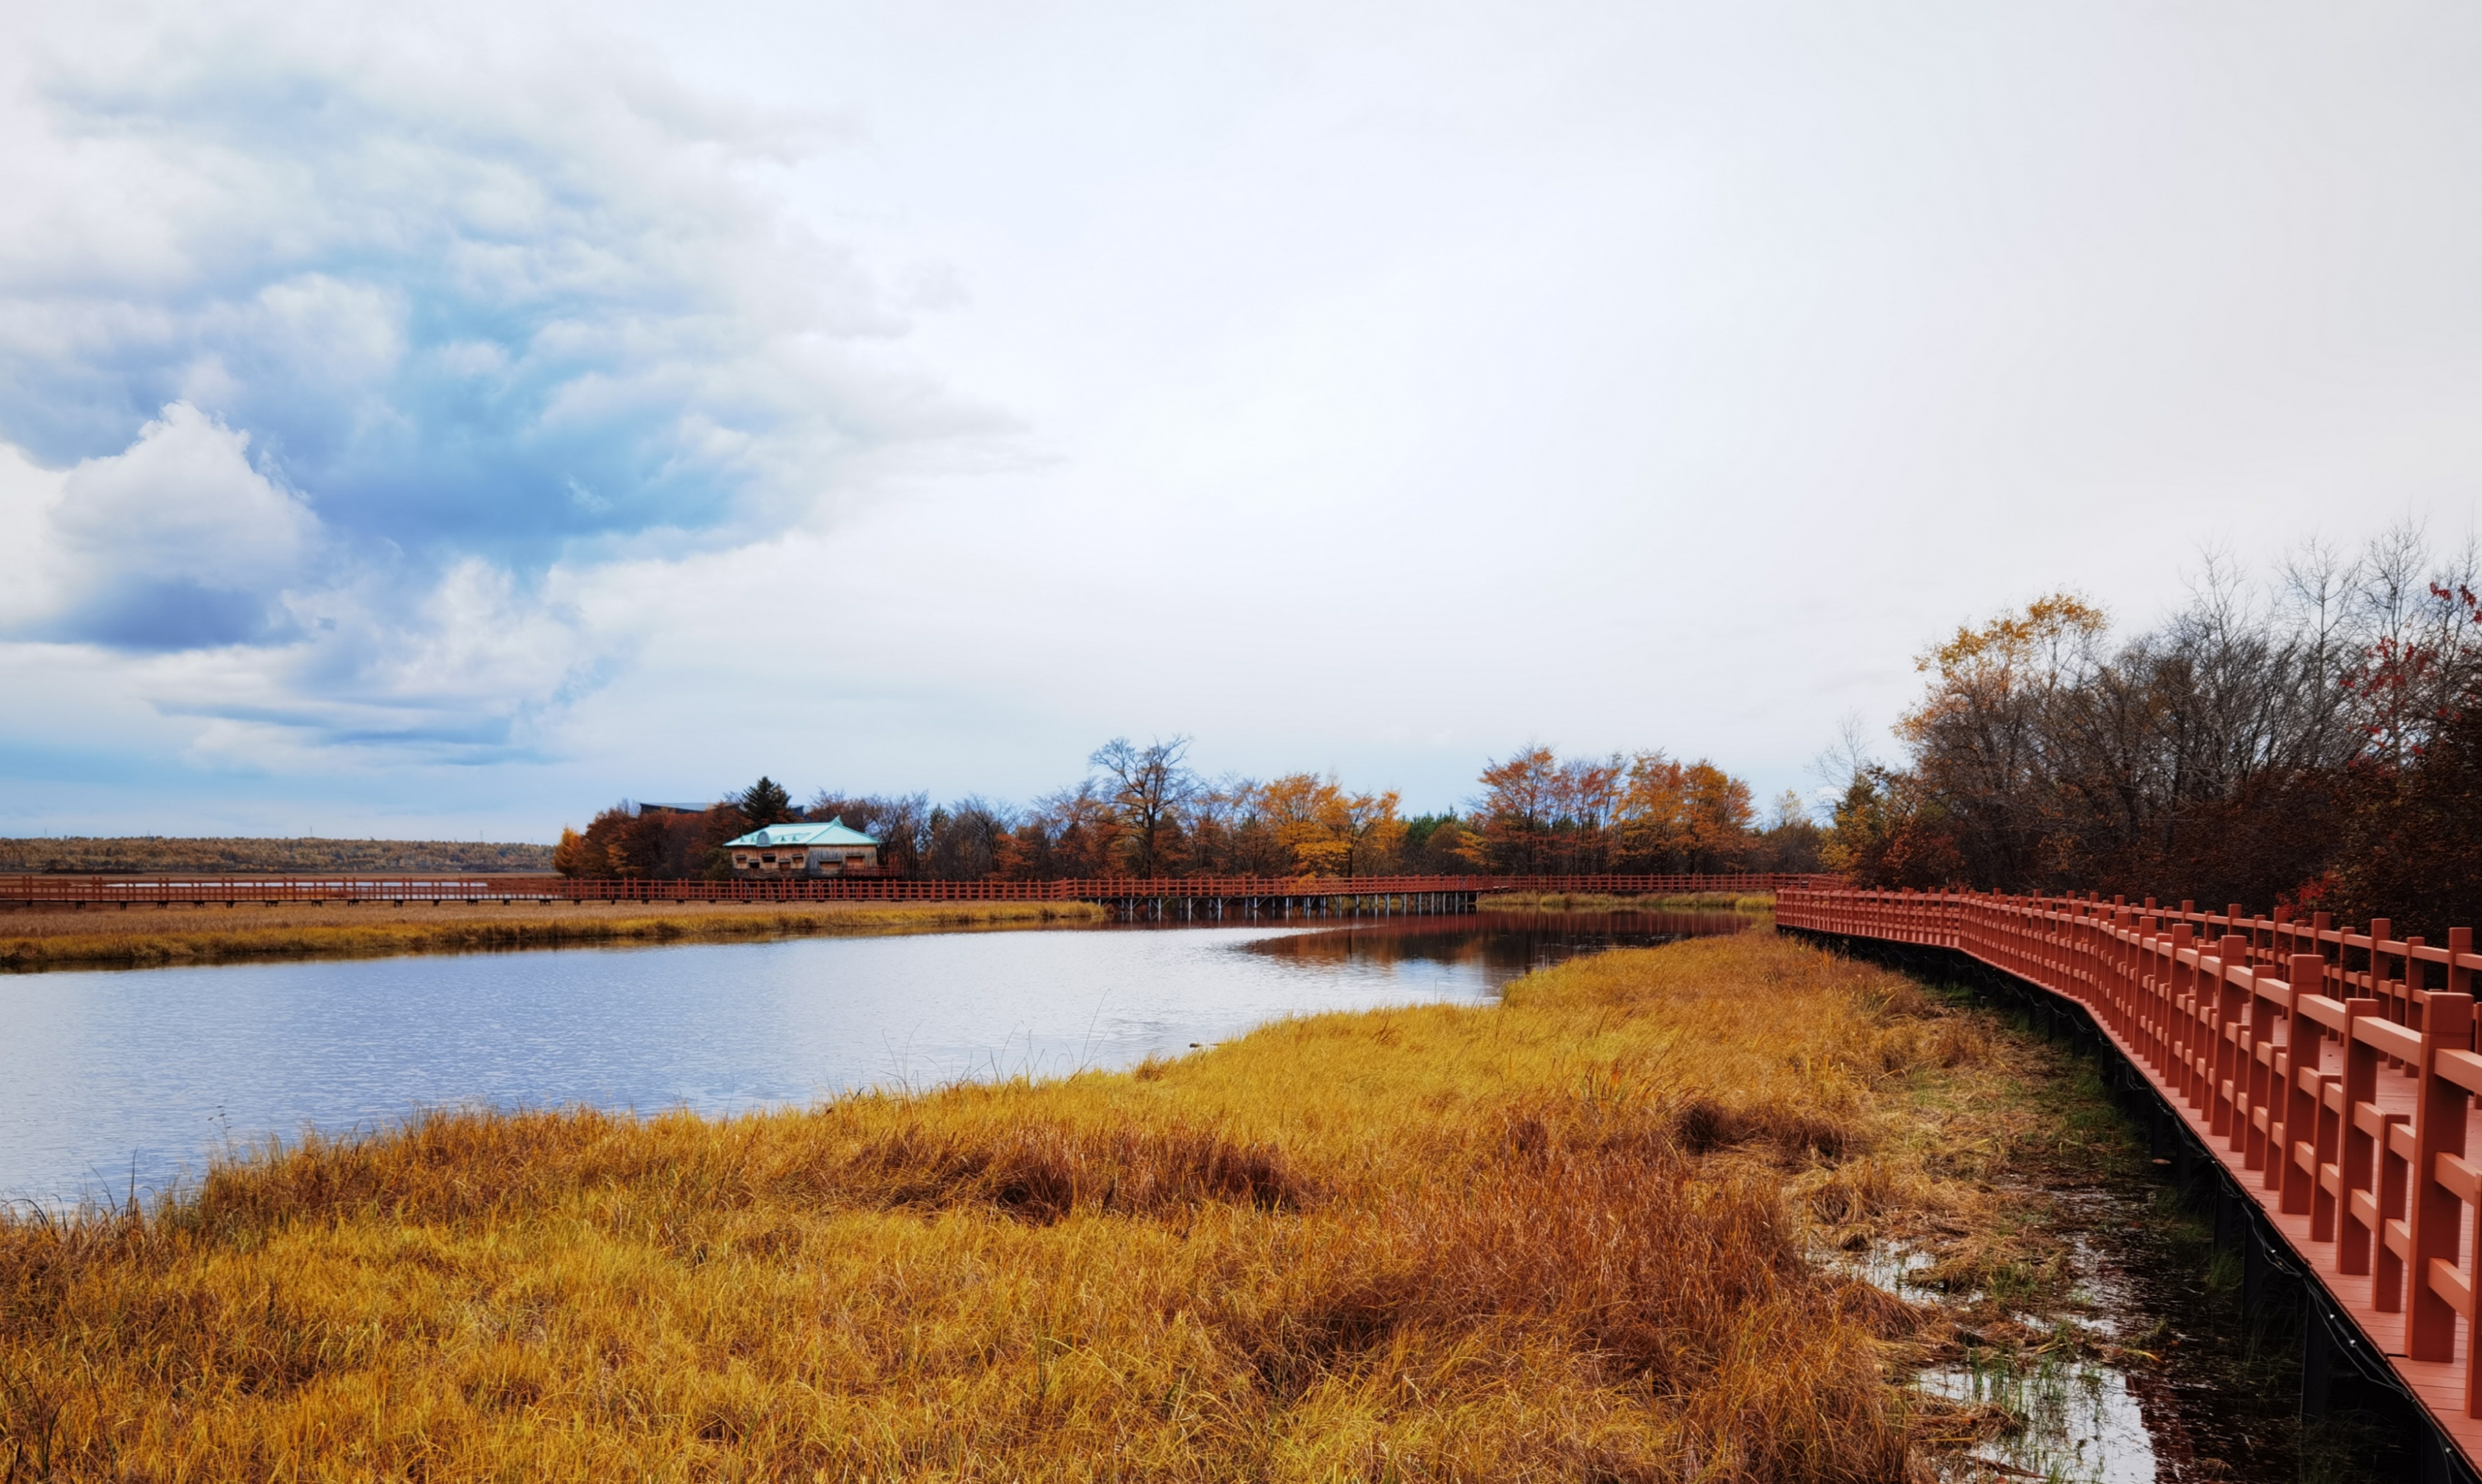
(832, 833)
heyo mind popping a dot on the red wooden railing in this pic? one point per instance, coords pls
(133, 890)
(2331, 1073)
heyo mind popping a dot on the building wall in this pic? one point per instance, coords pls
(804, 860)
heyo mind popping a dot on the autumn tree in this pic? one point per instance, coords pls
(1515, 812)
(1720, 816)
(1643, 811)
(967, 839)
(1675, 817)
(901, 823)
(1069, 832)
(1437, 845)
(573, 857)
(1791, 840)
(1327, 831)
(2412, 849)
(619, 841)
(1232, 833)
(1888, 833)
(1147, 788)
(2221, 755)
(1979, 734)
(1651, 827)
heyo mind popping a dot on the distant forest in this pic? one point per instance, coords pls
(1142, 811)
(144, 855)
(2312, 741)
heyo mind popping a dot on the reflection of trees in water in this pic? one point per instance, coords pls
(1498, 941)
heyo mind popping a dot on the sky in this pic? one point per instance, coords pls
(442, 421)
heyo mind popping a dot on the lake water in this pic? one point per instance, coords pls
(114, 1079)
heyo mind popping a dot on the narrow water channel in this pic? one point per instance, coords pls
(121, 1080)
(2153, 1370)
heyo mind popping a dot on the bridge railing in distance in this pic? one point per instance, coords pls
(165, 890)
(2332, 1074)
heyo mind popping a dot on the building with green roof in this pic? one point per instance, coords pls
(831, 849)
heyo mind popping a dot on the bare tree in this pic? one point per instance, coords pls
(1148, 786)
(2210, 753)
(966, 839)
(901, 824)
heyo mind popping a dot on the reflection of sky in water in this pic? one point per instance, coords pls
(1496, 946)
(113, 1076)
(2083, 1424)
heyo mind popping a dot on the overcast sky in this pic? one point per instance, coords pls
(446, 419)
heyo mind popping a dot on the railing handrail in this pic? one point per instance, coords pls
(862, 887)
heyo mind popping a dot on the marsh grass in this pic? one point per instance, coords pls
(151, 938)
(1573, 1235)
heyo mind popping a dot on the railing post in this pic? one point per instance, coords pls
(2433, 1213)
(2189, 979)
(2162, 993)
(2228, 1082)
(2363, 1125)
(2300, 1150)
(2256, 1089)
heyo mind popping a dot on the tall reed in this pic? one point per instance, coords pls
(1573, 1235)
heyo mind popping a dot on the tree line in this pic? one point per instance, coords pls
(1143, 811)
(2312, 740)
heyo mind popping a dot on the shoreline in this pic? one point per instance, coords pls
(1481, 1241)
(43, 939)
(36, 942)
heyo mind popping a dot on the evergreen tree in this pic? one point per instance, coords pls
(766, 803)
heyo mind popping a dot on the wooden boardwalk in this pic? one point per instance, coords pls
(2330, 1074)
(1183, 897)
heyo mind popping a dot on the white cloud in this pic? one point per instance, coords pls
(184, 502)
(178, 541)
(221, 597)
(331, 348)
(1619, 375)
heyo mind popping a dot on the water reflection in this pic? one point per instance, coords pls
(116, 1079)
(1495, 946)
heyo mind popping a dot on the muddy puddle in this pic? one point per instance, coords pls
(2148, 1370)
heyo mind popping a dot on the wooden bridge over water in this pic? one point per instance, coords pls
(1170, 899)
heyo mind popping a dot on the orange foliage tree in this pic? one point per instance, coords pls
(1327, 831)
(1640, 812)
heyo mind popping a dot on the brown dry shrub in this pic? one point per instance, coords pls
(1043, 1172)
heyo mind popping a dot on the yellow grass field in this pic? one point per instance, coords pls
(149, 937)
(1578, 1235)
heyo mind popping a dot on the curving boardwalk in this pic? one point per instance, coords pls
(1177, 896)
(2332, 1074)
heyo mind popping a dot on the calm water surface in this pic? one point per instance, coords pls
(112, 1078)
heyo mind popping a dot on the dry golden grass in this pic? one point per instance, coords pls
(1568, 1237)
(147, 937)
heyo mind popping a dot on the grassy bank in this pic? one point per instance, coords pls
(146, 938)
(1575, 1236)
(1690, 901)
(232, 854)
